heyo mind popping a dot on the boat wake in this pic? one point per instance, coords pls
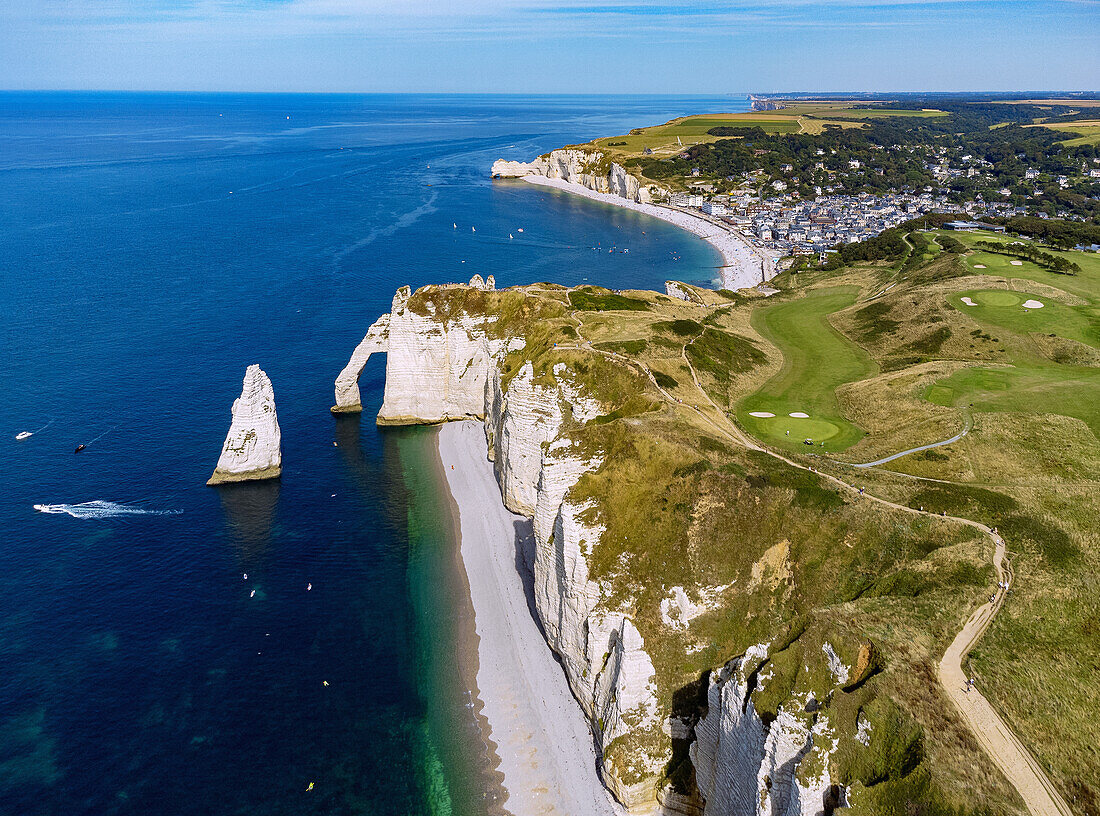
(100, 509)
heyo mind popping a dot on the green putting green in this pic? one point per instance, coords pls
(997, 297)
(816, 360)
(1007, 309)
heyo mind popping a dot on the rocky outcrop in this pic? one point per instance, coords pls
(589, 168)
(347, 384)
(252, 448)
(746, 766)
(682, 291)
(435, 370)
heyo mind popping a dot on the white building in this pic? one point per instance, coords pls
(714, 208)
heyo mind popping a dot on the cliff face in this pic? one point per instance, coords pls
(440, 368)
(252, 446)
(457, 352)
(588, 168)
(746, 766)
(435, 370)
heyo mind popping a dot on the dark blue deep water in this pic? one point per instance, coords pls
(151, 247)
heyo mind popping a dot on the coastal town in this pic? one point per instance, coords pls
(789, 226)
(783, 222)
(799, 178)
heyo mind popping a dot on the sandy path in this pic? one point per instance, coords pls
(741, 261)
(1006, 750)
(940, 444)
(543, 740)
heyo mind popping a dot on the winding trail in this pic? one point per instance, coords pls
(885, 459)
(1020, 768)
(992, 733)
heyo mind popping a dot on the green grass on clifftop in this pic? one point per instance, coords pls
(816, 360)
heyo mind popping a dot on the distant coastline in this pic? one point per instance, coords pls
(741, 261)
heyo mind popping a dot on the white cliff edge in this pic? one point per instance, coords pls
(430, 373)
(745, 766)
(583, 167)
(440, 368)
(252, 448)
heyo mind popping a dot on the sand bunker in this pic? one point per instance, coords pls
(1017, 263)
(968, 301)
(798, 415)
(1032, 304)
(762, 414)
(979, 266)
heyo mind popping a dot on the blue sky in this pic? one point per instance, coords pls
(550, 46)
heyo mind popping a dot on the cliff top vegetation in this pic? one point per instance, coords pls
(714, 480)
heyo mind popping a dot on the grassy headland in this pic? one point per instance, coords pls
(886, 356)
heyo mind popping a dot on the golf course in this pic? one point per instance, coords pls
(817, 359)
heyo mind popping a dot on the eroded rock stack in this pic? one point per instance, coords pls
(252, 448)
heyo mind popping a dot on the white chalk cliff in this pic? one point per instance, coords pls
(744, 767)
(252, 448)
(439, 369)
(435, 370)
(584, 167)
(448, 364)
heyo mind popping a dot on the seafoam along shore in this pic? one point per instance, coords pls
(546, 752)
(741, 261)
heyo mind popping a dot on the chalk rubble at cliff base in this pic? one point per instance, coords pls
(252, 448)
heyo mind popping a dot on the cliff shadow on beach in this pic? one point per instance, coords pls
(525, 567)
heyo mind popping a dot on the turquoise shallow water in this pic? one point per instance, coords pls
(152, 246)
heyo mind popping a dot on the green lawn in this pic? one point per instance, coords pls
(1030, 388)
(816, 360)
(1033, 385)
(1078, 133)
(880, 113)
(1005, 309)
(698, 125)
(1085, 285)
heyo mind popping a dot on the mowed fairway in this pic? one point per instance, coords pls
(1085, 285)
(816, 360)
(1033, 384)
(1028, 388)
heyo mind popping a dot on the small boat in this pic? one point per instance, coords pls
(453, 224)
(79, 448)
(42, 508)
(509, 238)
(24, 435)
(520, 229)
(473, 229)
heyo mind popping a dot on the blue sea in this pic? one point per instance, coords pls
(151, 247)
